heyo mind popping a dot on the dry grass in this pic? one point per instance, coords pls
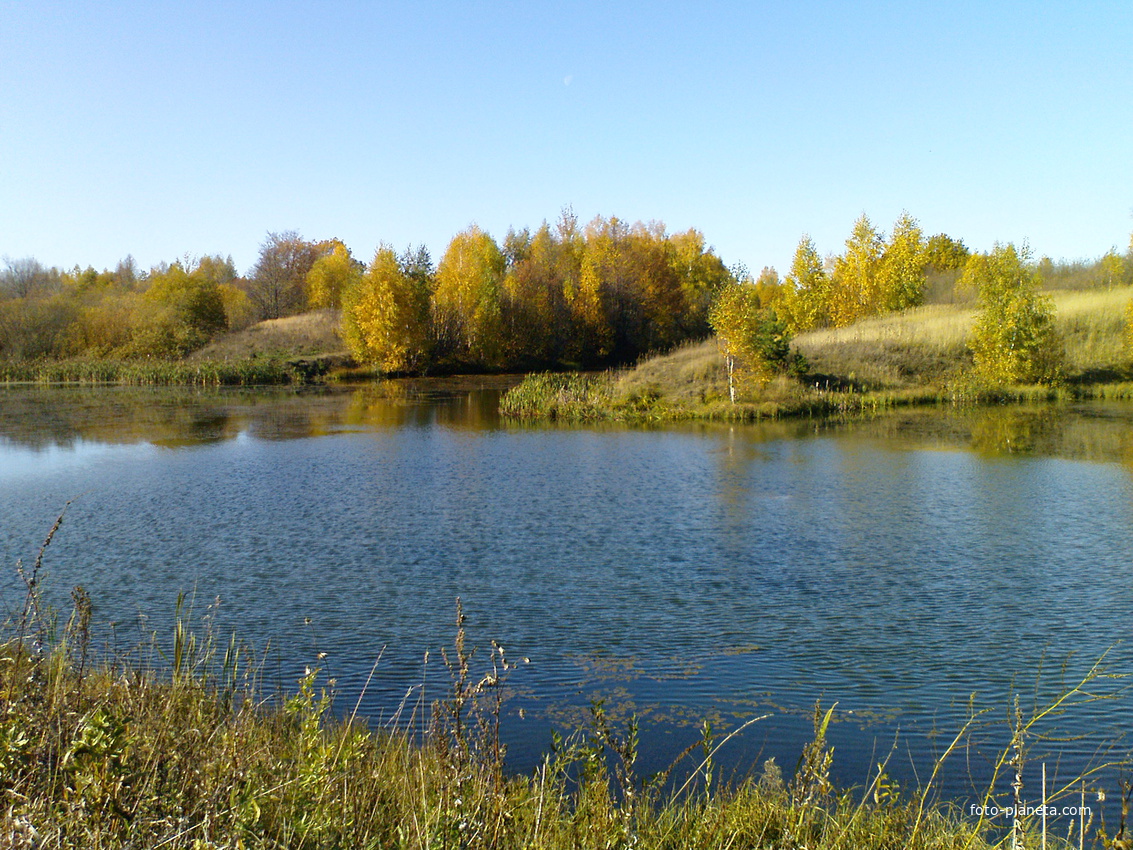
(693, 372)
(1093, 324)
(914, 348)
(308, 335)
(928, 345)
(918, 356)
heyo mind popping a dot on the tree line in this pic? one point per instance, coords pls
(586, 295)
(1014, 339)
(601, 293)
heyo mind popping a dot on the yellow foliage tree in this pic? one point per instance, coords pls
(467, 301)
(1014, 340)
(902, 273)
(806, 296)
(239, 311)
(856, 287)
(384, 322)
(754, 341)
(594, 333)
(331, 275)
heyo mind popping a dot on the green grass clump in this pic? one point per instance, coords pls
(568, 396)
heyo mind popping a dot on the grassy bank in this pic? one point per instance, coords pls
(294, 350)
(920, 356)
(179, 744)
(118, 755)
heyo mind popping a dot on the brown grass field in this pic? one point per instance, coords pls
(925, 346)
(307, 335)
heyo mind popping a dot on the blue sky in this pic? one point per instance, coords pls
(164, 129)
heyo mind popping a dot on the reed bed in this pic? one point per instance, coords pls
(569, 395)
(215, 373)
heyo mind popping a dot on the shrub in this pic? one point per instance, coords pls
(1014, 340)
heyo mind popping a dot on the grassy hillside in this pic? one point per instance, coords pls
(928, 345)
(307, 335)
(919, 355)
(293, 350)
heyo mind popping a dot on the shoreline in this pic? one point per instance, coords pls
(571, 397)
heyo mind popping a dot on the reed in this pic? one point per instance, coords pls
(568, 396)
(205, 373)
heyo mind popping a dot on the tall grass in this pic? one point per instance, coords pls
(917, 347)
(179, 747)
(1092, 322)
(930, 344)
(250, 372)
(568, 396)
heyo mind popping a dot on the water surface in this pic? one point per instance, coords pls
(907, 567)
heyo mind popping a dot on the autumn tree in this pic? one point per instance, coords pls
(180, 310)
(277, 283)
(35, 327)
(1111, 269)
(385, 315)
(753, 340)
(467, 300)
(333, 273)
(855, 290)
(536, 316)
(127, 276)
(806, 298)
(1014, 340)
(943, 253)
(591, 306)
(630, 291)
(703, 276)
(23, 277)
(654, 278)
(213, 269)
(902, 272)
(944, 261)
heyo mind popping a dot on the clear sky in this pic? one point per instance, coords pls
(165, 129)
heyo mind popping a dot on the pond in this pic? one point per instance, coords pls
(911, 568)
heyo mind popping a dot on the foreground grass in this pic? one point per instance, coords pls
(190, 754)
(121, 756)
(920, 356)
